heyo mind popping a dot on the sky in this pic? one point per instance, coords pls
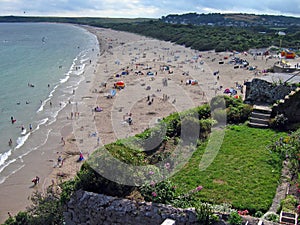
(144, 8)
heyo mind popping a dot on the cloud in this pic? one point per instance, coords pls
(145, 8)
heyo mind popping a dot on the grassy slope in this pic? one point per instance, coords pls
(244, 173)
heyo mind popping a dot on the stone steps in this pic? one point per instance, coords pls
(260, 116)
(258, 125)
(259, 120)
(288, 218)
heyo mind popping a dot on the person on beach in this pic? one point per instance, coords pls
(12, 120)
(63, 141)
(35, 180)
(80, 157)
(10, 142)
(30, 127)
(59, 161)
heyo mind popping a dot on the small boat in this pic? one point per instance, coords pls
(23, 132)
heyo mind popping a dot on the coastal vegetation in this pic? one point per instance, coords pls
(247, 171)
(219, 37)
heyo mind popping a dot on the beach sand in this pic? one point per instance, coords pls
(172, 66)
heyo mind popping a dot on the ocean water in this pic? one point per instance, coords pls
(41, 64)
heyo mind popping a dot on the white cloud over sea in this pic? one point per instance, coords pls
(145, 8)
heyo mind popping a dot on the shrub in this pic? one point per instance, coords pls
(46, 209)
(22, 218)
(258, 214)
(205, 214)
(279, 122)
(68, 187)
(272, 217)
(289, 204)
(162, 192)
(235, 218)
(90, 180)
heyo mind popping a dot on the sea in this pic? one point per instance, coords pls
(41, 65)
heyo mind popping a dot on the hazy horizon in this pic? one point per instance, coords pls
(144, 8)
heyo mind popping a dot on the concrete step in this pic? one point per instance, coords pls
(262, 108)
(258, 120)
(260, 115)
(258, 125)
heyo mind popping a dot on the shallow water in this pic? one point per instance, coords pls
(41, 65)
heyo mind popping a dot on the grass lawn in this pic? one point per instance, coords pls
(244, 173)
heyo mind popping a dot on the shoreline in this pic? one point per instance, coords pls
(17, 189)
(127, 52)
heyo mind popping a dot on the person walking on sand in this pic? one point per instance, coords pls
(63, 141)
(80, 157)
(59, 161)
(36, 180)
(30, 127)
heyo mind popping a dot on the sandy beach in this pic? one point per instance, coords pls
(156, 76)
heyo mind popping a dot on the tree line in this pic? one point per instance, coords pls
(202, 38)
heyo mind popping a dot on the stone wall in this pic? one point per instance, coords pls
(289, 106)
(261, 91)
(90, 208)
(86, 208)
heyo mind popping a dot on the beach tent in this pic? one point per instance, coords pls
(119, 84)
(230, 91)
(150, 73)
(227, 91)
(165, 67)
(194, 82)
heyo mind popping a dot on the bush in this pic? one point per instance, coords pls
(272, 217)
(279, 122)
(162, 192)
(289, 204)
(22, 218)
(235, 218)
(258, 214)
(90, 180)
(46, 209)
(205, 214)
(237, 112)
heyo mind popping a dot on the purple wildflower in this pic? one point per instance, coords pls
(199, 188)
(152, 183)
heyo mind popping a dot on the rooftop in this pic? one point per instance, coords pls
(282, 77)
